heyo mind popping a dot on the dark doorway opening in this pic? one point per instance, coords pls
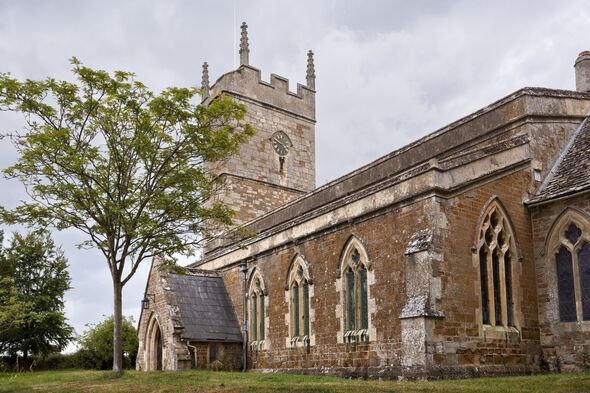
(158, 349)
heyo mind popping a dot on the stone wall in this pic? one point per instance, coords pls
(450, 339)
(217, 355)
(461, 343)
(175, 353)
(251, 198)
(566, 345)
(384, 237)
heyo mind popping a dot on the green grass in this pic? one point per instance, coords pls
(208, 381)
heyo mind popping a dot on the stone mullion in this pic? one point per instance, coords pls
(357, 299)
(577, 285)
(503, 294)
(502, 274)
(301, 309)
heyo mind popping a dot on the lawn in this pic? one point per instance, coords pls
(209, 381)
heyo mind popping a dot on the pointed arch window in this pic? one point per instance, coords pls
(572, 265)
(299, 283)
(257, 311)
(496, 253)
(355, 273)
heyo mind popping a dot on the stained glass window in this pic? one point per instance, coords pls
(364, 309)
(584, 264)
(496, 247)
(351, 309)
(254, 316)
(483, 273)
(497, 294)
(299, 287)
(573, 233)
(257, 310)
(565, 285)
(262, 316)
(295, 310)
(356, 295)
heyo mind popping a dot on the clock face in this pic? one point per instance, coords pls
(281, 143)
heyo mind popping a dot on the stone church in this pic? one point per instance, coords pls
(466, 252)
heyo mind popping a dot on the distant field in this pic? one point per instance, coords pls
(208, 381)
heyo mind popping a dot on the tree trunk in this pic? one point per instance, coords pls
(117, 340)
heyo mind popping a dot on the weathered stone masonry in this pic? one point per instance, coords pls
(454, 235)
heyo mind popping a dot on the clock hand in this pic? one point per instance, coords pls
(277, 141)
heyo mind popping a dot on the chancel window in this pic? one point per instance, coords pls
(257, 311)
(496, 253)
(355, 273)
(299, 306)
(299, 293)
(572, 263)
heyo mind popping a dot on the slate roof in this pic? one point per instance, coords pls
(571, 172)
(205, 309)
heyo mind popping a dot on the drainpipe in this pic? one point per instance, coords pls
(244, 269)
(188, 344)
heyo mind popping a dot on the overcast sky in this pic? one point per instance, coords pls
(388, 72)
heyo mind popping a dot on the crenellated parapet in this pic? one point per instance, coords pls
(246, 83)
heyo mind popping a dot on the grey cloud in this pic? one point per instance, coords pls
(388, 72)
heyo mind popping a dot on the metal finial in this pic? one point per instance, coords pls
(244, 46)
(310, 71)
(205, 80)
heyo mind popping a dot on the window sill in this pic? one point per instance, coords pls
(356, 336)
(508, 333)
(300, 341)
(256, 346)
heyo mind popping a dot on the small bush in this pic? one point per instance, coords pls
(4, 364)
(216, 365)
(97, 345)
(57, 361)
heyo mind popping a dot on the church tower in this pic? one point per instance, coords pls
(277, 164)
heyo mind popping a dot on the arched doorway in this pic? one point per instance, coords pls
(155, 346)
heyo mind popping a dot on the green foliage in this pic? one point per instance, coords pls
(170, 266)
(33, 280)
(96, 344)
(58, 361)
(123, 165)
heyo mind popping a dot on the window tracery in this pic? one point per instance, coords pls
(496, 251)
(299, 297)
(572, 267)
(355, 285)
(257, 311)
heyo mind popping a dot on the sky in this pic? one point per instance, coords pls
(387, 73)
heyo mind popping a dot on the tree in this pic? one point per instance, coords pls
(33, 280)
(125, 166)
(96, 343)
